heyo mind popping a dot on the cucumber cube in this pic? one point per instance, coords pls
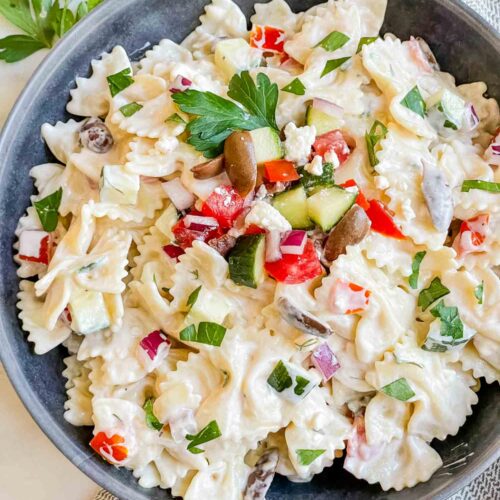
(89, 313)
(209, 306)
(451, 105)
(235, 55)
(292, 205)
(323, 122)
(119, 186)
(166, 221)
(246, 260)
(267, 145)
(329, 205)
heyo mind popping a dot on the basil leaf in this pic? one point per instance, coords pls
(301, 384)
(415, 268)
(451, 324)
(415, 102)
(399, 389)
(333, 64)
(176, 118)
(193, 297)
(365, 40)
(207, 333)
(295, 87)
(479, 292)
(372, 138)
(307, 457)
(311, 182)
(47, 210)
(429, 295)
(335, 40)
(492, 187)
(208, 433)
(280, 379)
(151, 421)
(131, 109)
(120, 81)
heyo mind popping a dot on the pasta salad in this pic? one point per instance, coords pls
(268, 249)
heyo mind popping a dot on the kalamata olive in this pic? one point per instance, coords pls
(209, 169)
(240, 162)
(94, 135)
(351, 229)
(424, 47)
(223, 244)
(438, 197)
(301, 320)
(262, 476)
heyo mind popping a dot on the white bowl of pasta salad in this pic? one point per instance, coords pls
(268, 249)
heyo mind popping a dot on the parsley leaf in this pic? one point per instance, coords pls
(335, 40)
(365, 40)
(451, 324)
(207, 333)
(120, 81)
(14, 48)
(333, 64)
(193, 297)
(208, 433)
(492, 187)
(47, 210)
(280, 379)
(399, 389)
(307, 457)
(376, 134)
(301, 384)
(131, 109)
(479, 292)
(415, 268)
(429, 295)
(295, 87)
(415, 102)
(151, 421)
(176, 118)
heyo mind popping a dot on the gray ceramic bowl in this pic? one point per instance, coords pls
(464, 46)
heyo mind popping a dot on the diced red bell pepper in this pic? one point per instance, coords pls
(225, 204)
(295, 269)
(280, 171)
(332, 141)
(110, 448)
(382, 222)
(254, 229)
(472, 235)
(349, 298)
(35, 246)
(185, 236)
(361, 199)
(267, 38)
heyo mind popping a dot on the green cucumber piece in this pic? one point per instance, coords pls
(329, 205)
(267, 145)
(292, 205)
(246, 260)
(324, 123)
(451, 105)
(314, 183)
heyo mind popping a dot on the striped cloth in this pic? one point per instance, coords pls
(487, 485)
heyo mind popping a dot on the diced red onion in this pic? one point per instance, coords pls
(178, 194)
(65, 317)
(180, 84)
(328, 107)
(173, 251)
(294, 242)
(495, 148)
(492, 154)
(155, 346)
(182, 423)
(325, 361)
(471, 118)
(200, 223)
(273, 241)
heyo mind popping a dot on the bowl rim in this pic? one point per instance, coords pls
(25, 392)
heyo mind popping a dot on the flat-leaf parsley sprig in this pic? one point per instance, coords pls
(42, 21)
(217, 118)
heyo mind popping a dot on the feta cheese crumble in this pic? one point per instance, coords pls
(298, 143)
(264, 215)
(315, 167)
(331, 157)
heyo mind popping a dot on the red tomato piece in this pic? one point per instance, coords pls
(253, 229)
(185, 236)
(267, 38)
(225, 204)
(382, 221)
(332, 141)
(295, 269)
(361, 199)
(472, 235)
(280, 171)
(110, 448)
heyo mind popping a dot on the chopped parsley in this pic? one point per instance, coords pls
(429, 295)
(399, 389)
(307, 457)
(333, 64)
(210, 432)
(280, 379)
(335, 40)
(479, 292)
(206, 333)
(365, 40)
(415, 269)
(312, 182)
(193, 297)
(415, 102)
(151, 421)
(492, 187)
(301, 384)
(295, 87)
(120, 81)
(176, 118)
(376, 134)
(47, 210)
(451, 324)
(131, 109)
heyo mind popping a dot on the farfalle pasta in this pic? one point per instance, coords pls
(268, 248)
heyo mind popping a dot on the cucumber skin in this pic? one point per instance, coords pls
(267, 145)
(243, 260)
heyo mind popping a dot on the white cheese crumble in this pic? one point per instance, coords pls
(381, 182)
(298, 143)
(331, 157)
(264, 215)
(316, 166)
(408, 213)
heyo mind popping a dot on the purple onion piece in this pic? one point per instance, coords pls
(325, 361)
(154, 343)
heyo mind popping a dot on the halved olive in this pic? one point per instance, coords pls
(240, 162)
(262, 476)
(209, 169)
(94, 135)
(301, 320)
